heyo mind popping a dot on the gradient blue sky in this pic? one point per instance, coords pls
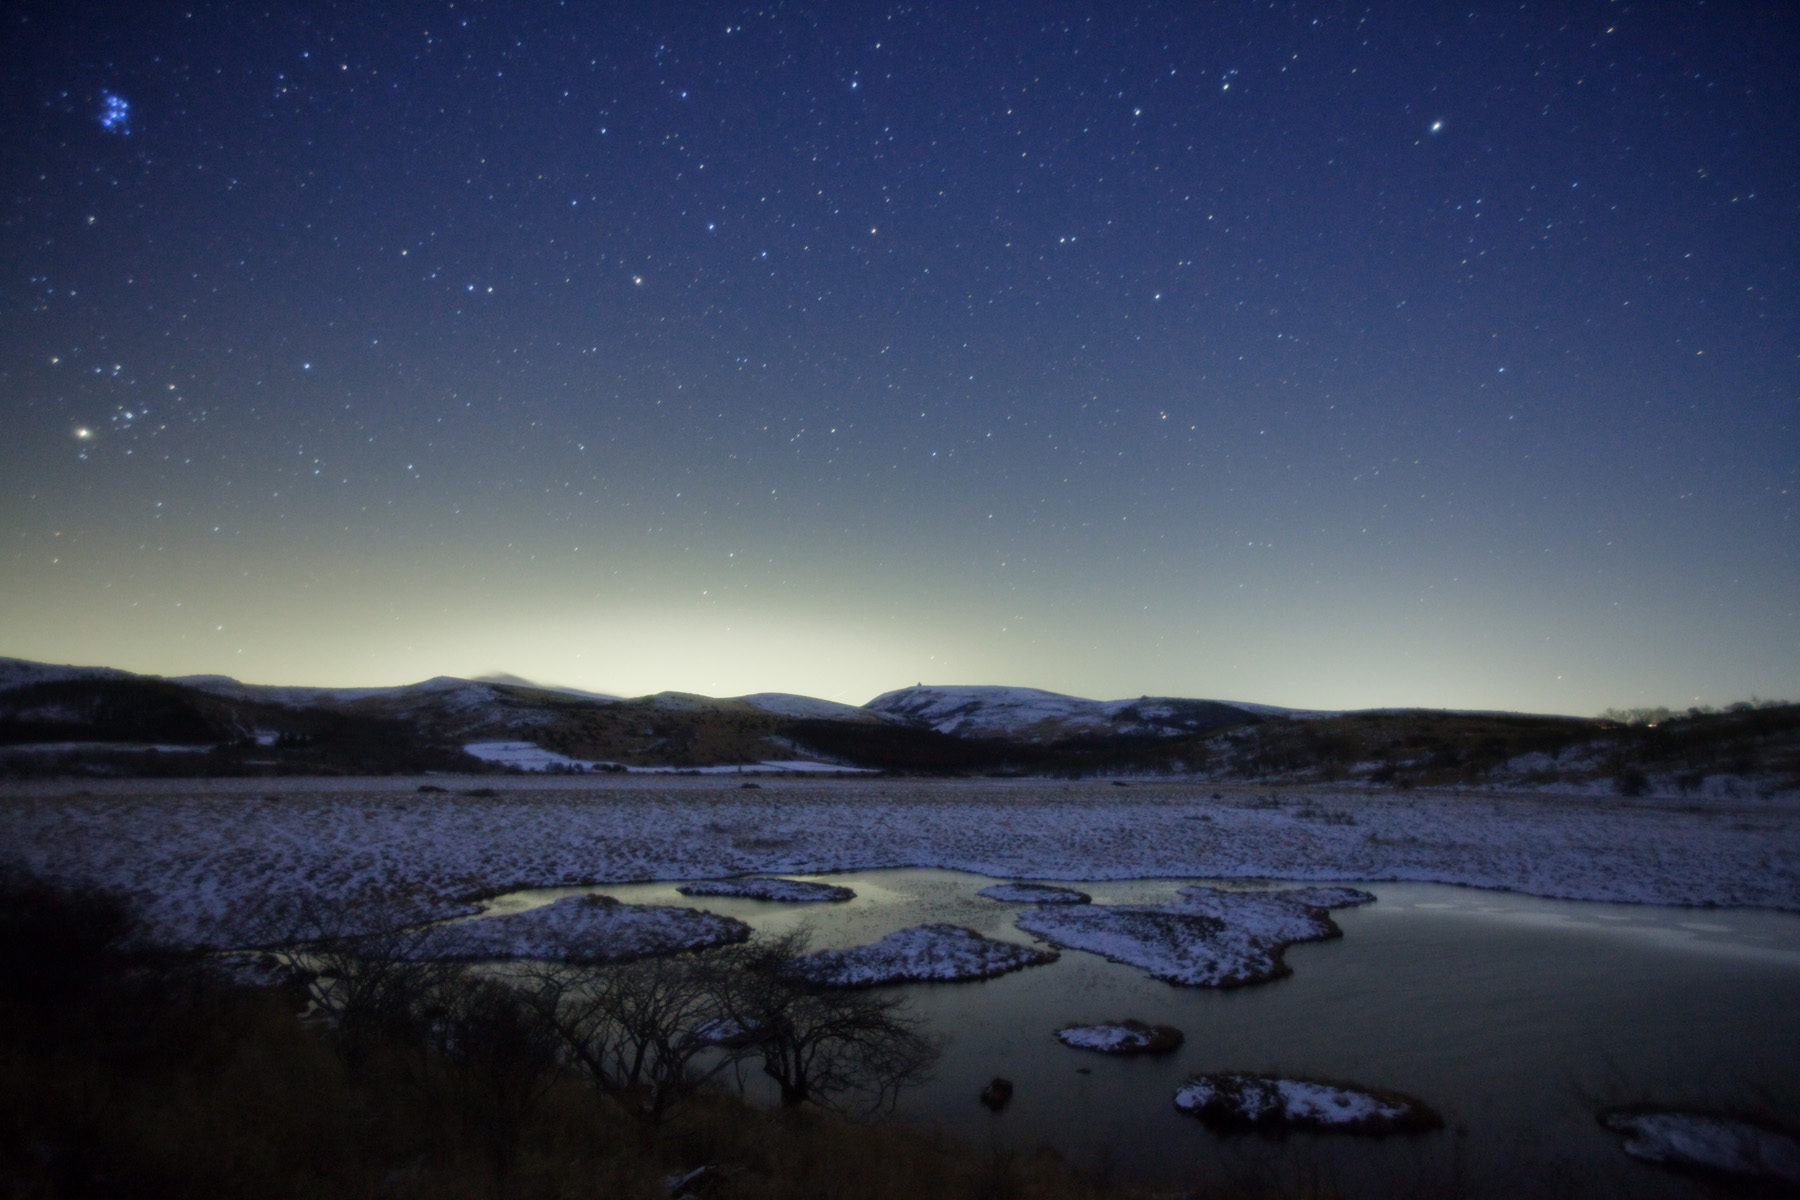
(1317, 355)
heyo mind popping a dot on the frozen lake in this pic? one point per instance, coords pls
(1515, 1017)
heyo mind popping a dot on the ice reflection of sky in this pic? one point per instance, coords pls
(1769, 936)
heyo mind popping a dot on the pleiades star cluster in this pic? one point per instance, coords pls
(1322, 355)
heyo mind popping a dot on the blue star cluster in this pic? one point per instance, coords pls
(1314, 354)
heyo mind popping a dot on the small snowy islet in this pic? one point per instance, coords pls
(1231, 1099)
(1210, 937)
(586, 929)
(1034, 893)
(1707, 1142)
(1126, 1037)
(922, 954)
(781, 891)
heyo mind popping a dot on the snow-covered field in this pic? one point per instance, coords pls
(922, 954)
(205, 857)
(1210, 937)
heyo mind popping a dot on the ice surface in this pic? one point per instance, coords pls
(1232, 1098)
(784, 891)
(583, 929)
(1711, 1142)
(1034, 893)
(922, 954)
(1209, 938)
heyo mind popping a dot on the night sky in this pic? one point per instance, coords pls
(1317, 355)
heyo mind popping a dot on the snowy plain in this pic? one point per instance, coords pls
(205, 858)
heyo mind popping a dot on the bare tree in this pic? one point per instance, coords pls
(365, 973)
(639, 1031)
(819, 1045)
(502, 1057)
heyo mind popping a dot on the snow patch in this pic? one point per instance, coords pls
(1209, 938)
(1127, 1037)
(922, 954)
(583, 929)
(1232, 1099)
(1712, 1143)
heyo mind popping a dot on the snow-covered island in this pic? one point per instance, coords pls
(1707, 1142)
(922, 954)
(1210, 937)
(1126, 1037)
(1034, 893)
(587, 929)
(781, 891)
(1234, 1100)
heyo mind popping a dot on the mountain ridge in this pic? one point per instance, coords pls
(73, 720)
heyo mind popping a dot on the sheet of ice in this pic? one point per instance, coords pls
(782, 891)
(1034, 893)
(583, 929)
(203, 857)
(1127, 1037)
(1711, 1142)
(1210, 937)
(1270, 1101)
(922, 954)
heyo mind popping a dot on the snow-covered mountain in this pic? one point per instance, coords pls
(1031, 715)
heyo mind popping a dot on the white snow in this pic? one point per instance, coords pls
(783, 891)
(583, 929)
(924, 953)
(1715, 1143)
(203, 855)
(1034, 893)
(1129, 1037)
(1209, 938)
(528, 756)
(1235, 1098)
(786, 704)
(1039, 715)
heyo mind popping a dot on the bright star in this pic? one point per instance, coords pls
(1436, 125)
(115, 114)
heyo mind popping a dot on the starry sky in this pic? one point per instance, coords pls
(1319, 355)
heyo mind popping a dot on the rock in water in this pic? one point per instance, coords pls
(997, 1094)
